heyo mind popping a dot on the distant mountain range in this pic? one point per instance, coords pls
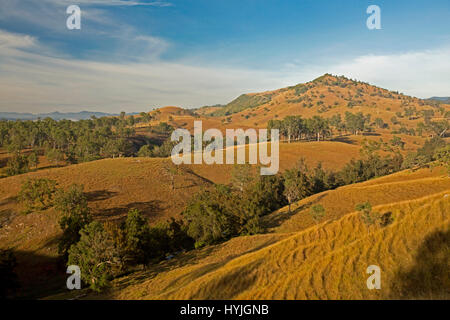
(445, 100)
(54, 115)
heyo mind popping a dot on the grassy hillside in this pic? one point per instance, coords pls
(112, 187)
(326, 96)
(329, 261)
(324, 261)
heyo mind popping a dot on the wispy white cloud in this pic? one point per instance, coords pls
(11, 40)
(50, 15)
(34, 82)
(117, 39)
(112, 3)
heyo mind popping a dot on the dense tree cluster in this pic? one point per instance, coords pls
(223, 212)
(318, 128)
(72, 141)
(105, 251)
(433, 150)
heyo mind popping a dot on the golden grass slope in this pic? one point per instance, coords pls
(330, 261)
(401, 186)
(325, 261)
(112, 186)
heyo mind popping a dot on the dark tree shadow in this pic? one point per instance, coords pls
(429, 277)
(343, 139)
(98, 195)
(38, 276)
(188, 170)
(371, 134)
(4, 161)
(50, 166)
(148, 209)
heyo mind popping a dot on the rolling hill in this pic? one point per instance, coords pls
(325, 96)
(323, 261)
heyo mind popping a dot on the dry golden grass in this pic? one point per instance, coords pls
(328, 261)
(402, 186)
(112, 186)
(324, 261)
(332, 154)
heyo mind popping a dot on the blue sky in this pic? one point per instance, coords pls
(133, 55)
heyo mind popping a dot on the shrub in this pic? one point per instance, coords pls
(37, 194)
(442, 157)
(367, 215)
(145, 151)
(317, 212)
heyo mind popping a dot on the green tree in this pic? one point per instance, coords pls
(319, 126)
(397, 142)
(442, 157)
(33, 160)
(210, 216)
(296, 185)
(137, 234)
(177, 233)
(18, 164)
(145, 151)
(96, 255)
(72, 204)
(54, 155)
(379, 123)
